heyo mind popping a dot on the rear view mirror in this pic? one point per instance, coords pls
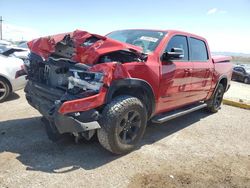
(175, 53)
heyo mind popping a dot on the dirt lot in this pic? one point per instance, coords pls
(197, 150)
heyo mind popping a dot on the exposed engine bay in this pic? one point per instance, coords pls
(62, 74)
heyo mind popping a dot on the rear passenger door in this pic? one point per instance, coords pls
(202, 69)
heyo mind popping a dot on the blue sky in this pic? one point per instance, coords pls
(226, 24)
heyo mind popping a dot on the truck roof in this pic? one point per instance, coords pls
(185, 33)
(172, 31)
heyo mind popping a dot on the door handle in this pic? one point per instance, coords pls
(188, 70)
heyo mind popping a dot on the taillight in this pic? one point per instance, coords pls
(21, 72)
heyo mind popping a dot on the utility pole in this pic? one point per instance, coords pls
(1, 28)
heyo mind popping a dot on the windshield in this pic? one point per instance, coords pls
(146, 39)
(23, 45)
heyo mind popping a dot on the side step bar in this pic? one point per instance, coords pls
(177, 113)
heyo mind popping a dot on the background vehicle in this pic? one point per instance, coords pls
(11, 75)
(84, 83)
(241, 73)
(20, 51)
(4, 45)
(24, 51)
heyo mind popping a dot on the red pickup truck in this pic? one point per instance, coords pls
(113, 85)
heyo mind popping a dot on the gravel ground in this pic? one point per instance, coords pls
(196, 150)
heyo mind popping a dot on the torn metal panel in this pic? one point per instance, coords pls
(111, 71)
(81, 46)
(84, 87)
(83, 104)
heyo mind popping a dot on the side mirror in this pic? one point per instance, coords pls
(175, 53)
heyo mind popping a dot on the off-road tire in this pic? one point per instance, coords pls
(110, 121)
(215, 103)
(5, 88)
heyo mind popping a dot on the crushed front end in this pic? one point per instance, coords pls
(65, 94)
(68, 78)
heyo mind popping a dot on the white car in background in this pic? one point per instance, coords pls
(12, 75)
(4, 45)
(24, 53)
(21, 50)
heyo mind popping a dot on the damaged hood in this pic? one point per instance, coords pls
(79, 46)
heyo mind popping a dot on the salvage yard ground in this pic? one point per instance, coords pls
(197, 150)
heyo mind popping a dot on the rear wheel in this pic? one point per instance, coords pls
(246, 80)
(215, 103)
(123, 124)
(4, 89)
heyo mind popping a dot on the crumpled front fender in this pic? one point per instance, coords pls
(112, 71)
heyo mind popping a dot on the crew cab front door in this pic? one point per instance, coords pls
(176, 74)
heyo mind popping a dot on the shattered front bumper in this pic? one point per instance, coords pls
(63, 118)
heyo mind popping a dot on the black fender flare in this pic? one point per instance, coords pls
(131, 83)
(217, 84)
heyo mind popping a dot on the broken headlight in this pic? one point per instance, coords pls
(85, 80)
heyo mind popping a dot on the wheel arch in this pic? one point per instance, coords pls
(222, 80)
(135, 87)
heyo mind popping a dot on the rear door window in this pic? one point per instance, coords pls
(198, 50)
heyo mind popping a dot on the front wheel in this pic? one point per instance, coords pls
(4, 89)
(215, 103)
(123, 123)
